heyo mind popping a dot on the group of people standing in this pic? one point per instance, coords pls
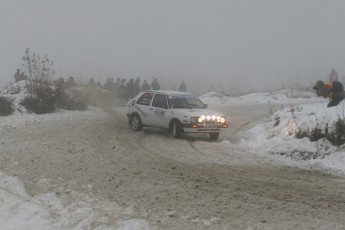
(333, 90)
(121, 87)
(128, 89)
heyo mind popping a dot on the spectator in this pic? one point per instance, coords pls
(99, 85)
(155, 85)
(145, 86)
(117, 84)
(137, 86)
(92, 82)
(333, 76)
(112, 85)
(122, 89)
(17, 76)
(70, 82)
(183, 87)
(107, 85)
(130, 88)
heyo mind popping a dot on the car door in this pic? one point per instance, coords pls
(143, 106)
(158, 109)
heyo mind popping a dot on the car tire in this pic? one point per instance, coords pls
(214, 136)
(136, 123)
(176, 129)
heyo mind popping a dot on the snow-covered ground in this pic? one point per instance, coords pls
(275, 138)
(18, 210)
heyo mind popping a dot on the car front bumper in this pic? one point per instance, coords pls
(204, 128)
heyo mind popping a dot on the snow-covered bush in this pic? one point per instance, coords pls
(301, 132)
(12, 89)
(337, 136)
(49, 99)
(299, 125)
(6, 106)
(44, 94)
(43, 101)
(323, 124)
(40, 72)
(317, 134)
(41, 98)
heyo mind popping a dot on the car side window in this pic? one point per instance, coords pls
(160, 101)
(145, 99)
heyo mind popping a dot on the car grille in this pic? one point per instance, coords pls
(210, 122)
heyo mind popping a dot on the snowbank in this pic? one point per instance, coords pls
(278, 136)
(277, 97)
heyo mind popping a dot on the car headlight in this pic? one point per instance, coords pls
(193, 119)
(202, 118)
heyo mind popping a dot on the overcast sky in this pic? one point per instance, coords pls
(220, 43)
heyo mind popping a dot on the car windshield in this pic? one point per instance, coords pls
(185, 102)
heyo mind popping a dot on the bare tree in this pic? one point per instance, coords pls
(40, 72)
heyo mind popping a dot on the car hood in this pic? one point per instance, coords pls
(196, 112)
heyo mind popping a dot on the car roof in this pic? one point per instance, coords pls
(169, 92)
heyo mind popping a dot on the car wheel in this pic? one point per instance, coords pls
(136, 123)
(214, 136)
(176, 129)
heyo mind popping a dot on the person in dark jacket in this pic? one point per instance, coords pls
(145, 86)
(17, 76)
(155, 85)
(183, 87)
(137, 86)
(333, 76)
(334, 91)
(130, 90)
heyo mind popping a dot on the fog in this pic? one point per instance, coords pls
(222, 44)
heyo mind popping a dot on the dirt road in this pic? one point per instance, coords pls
(187, 183)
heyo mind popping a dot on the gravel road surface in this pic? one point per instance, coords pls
(187, 183)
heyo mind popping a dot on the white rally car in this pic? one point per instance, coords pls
(179, 112)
